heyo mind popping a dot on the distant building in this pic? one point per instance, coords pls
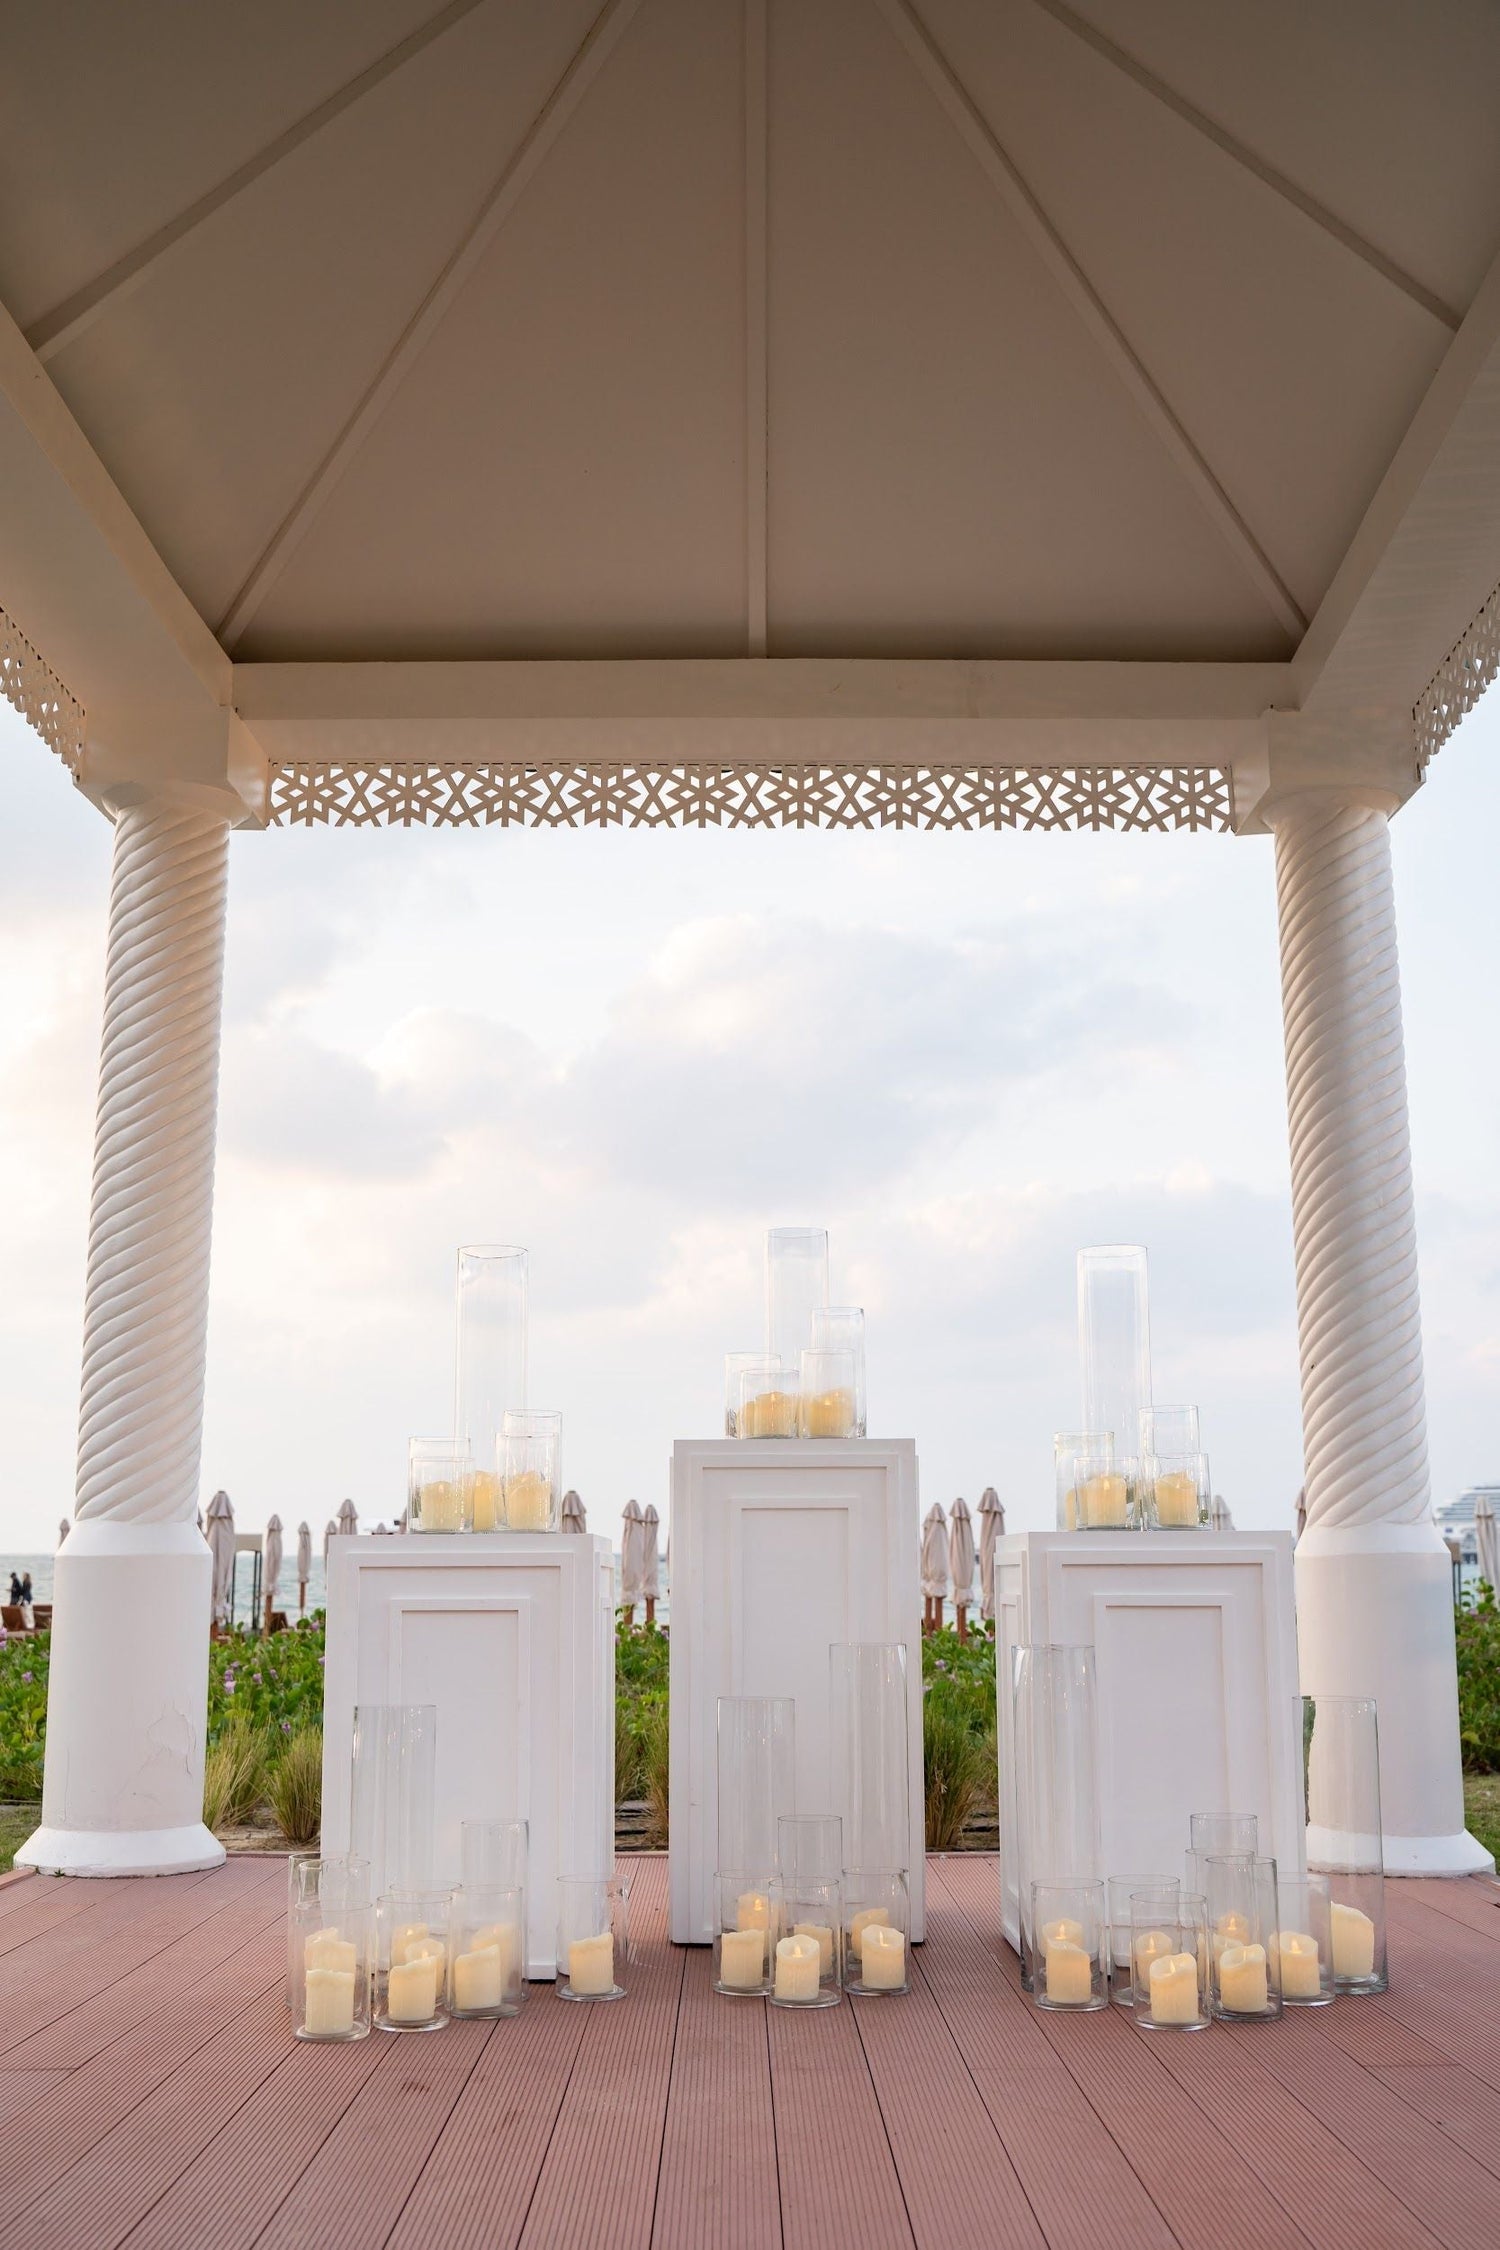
(1457, 1516)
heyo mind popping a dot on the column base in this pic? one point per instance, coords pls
(127, 1705)
(1375, 1617)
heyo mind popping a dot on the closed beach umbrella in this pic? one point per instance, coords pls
(330, 1533)
(221, 1547)
(304, 1562)
(348, 1518)
(573, 1517)
(1302, 1511)
(65, 1527)
(1487, 1541)
(1219, 1517)
(991, 1528)
(632, 1555)
(935, 1554)
(961, 1553)
(651, 1555)
(271, 1569)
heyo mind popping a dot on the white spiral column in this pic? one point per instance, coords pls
(128, 1690)
(1374, 1587)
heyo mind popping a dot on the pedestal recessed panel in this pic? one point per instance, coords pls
(788, 1584)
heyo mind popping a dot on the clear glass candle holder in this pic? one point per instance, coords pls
(593, 1936)
(1171, 1964)
(439, 1485)
(1057, 1823)
(530, 1468)
(1068, 1919)
(1169, 1430)
(796, 1288)
(749, 1926)
(1177, 1492)
(1108, 1492)
(489, 1359)
(826, 1394)
(769, 1403)
(1304, 1915)
(841, 1328)
(393, 1786)
(1120, 1891)
(755, 1776)
(1243, 1936)
(735, 1365)
(869, 1745)
(294, 1860)
(330, 1947)
(487, 1950)
(1114, 1341)
(809, 1848)
(877, 1931)
(1217, 1836)
(492, 1854)
(1345, 1838)
(1067, 1447)
(812, 1914)
(411, 1976)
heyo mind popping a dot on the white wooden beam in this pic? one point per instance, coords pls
(55, 330)
(1348, 237)
(1068, 274)
(521, 167)
(757, 436)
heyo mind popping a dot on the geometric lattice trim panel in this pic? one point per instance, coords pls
(39, 695)
(1460, 680)
(727, 796)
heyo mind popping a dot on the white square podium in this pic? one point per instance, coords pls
(780, 1547)
(511, 1636)
(1195, 1637)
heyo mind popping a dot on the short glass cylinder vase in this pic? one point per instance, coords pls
(1067, 1448)
(439, 1485)
(768, 1405)
(869, 1740)
(1109, 1492)
(756, 1776)
(1172, 1964)
(735, 1365)
(487, 1950)
(841, 1328)
(796, 1288)
(1120, 1892)
(1177, 1494)
(812, 1915)
(1168, 1430)
(294, 1860)
(1071, 1943)
(593, 1936)
(750, 1923)
(530, 1469)
(490, 1358)
(826, 1394)
(1305, 1940)
(1217, 1836)
(393, 1793)
(1057, 1825)
(1345, 1839)
(1244, 1938)
(877, 1932)
(411, 1976)
(330, 1949)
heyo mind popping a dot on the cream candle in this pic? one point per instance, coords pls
(1243, 1985)
(1105, 1503)
(772, 1414)
(864, 1920)
(528, 1501)
(1151, 1945)
(882, 1957)
(440, 1506)
(507, 1938)
(405, 1938)
(1353, 1943)
(1062, 1932)
(325, 1949)
(1301, 1973)
(829, 1415)
(824, 1936)
(591, 1964)
(752, 1911)
(798, 1963)
(412, 1988)
(486, 1501)
(478, 1978)
(1173, 1988)
(329, 2009)
(1070, 1973)
(742, 1959)
(1176, 1499)
(1230, 1929)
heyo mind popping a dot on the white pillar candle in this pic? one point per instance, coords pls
(1242, 1979)
(1070, 1974)
(325, 1949)
(1105, 1501)
(1353, 1942)
(742, 1959)
(1151, 1945)
(798, 1964)
(486, 1500)
(824, 1936)
(829, 1415)
(528, 1501)
(329, 2010)
(1300, 1971)
(440, 1506)
(882, 1957)
(591, 1964)
(864, 1920)
(1230, 1929)
(1173, 1988)
(411, 1990)
(405, 1938)
(752, 1911)
(1064, 1931)
(507, 1938)
(478, 1978)
(773, 1414)
(1176, 1498)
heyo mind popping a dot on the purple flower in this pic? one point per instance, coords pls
(26, 1675)
(286, 1726)
(229, 1687)
(256, 1677)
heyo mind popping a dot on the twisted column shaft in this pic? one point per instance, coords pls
(1358, 1315)
(146, 1311)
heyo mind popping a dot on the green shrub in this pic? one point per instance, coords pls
(1478, 1635)
(655, 1743)
(23, 1716)
(294, 1787)
(958, 1771)
(234, 1773)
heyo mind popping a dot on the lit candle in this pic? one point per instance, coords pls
(1177, 1498)
(882, 1957)
(1070, 1508)
(773, 1414)
(824, 1936)
(798, 1964)
(1353, 1943)
(1062, 1932)
(752, 1911)
(862, 1921)
(1151, 1945)
(1070, 1974)
(1230, 1929)
(591, 1964)
(411, 1989)
(486, 1501)
(329, 2010)
(325, 1949)
(742, 1959)
(1173, 1988)
(1300, 1971)
(440, 1506)
(1242, 1979)
(478, 1978)
(829, 1414)
(406, 1938)
(507, 1938)
(1105, 1501)
(528, 1501)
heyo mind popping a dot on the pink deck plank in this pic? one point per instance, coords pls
(1475, 1903)
(20, 2088)
(1452, 2099)
(48, 1902)
(836, 2184)
(717, 2188)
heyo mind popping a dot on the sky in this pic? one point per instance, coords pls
(965, 1055)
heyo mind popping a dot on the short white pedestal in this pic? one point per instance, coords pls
(1196, 1645)
(511, 1636)
(780, 1547)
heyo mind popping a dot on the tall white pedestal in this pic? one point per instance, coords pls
(1195, 1638)
(511, 1636)
(780, 1547)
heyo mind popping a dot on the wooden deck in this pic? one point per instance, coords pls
(151, 2095)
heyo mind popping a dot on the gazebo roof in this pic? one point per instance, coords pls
(573, 359)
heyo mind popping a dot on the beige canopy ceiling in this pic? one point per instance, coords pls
(1003, 333)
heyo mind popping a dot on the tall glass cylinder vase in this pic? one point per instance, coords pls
(1057, 1774)
(491, 1360)
(1341, 1784)
(796, 1288)
(757, 1777)
(1114, 1341)
(392, 1793)
(869, 1753)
